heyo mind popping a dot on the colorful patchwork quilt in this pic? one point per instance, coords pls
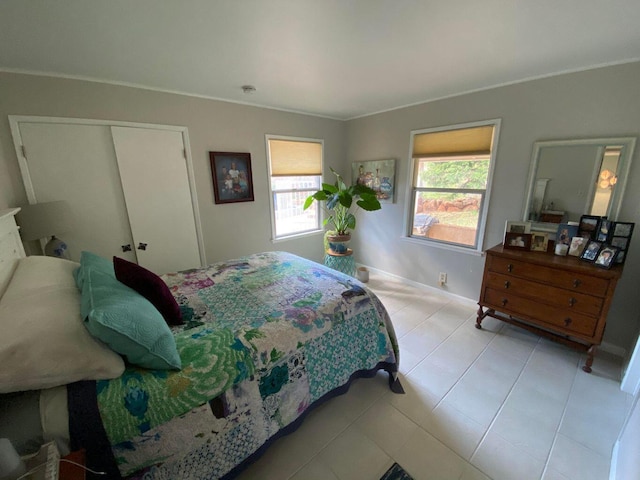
(265, 338)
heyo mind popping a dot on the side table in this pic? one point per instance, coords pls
(343, 262)
(70, 471)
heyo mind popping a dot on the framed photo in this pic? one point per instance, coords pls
(606, 256)
(577, 246)
(232, 180)
(604, 230)
(623, 229)
(517, 227)
(588, 226)
(590, 252)
(380, 175)
(565, 233)
(539, 241)
(620, 236)
(517, 241)
(621, 242)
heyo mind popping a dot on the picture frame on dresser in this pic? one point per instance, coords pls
(604, 230)
(606, 256)
(588, 226)
(517, 227)
(577, 246)
(539, 241)
(620, 237)
(591, 251)
(565, 233)
(517, 241)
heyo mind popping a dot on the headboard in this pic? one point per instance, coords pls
(11, 248)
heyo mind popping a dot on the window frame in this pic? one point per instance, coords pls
(483, 209)
(314, 231)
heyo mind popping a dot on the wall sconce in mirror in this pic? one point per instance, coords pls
(607, 179)
(44, 220)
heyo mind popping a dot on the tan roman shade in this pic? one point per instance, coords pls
(466, 141)
(294, 158)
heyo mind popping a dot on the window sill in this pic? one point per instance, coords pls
(296, 236)
(444, 246)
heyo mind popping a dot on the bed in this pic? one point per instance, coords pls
(257, 343)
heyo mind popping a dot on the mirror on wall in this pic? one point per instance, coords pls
(571, 178)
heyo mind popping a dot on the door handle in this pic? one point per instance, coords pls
(142, 246)
(126, 248)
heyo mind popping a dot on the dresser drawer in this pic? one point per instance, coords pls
(561, 320)
(560, 278)
(558, 297)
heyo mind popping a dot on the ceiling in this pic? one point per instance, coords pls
(335, 58)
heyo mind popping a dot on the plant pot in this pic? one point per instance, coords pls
(338, 244)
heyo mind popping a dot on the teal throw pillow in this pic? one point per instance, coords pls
(127, 322)
(95, 262)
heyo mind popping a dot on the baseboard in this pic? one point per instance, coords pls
(614, 350)
(412, 283)
(610, 348)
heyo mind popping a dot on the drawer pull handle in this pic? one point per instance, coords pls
(572, 302)
(506, 284)
(509, 267)
(577, 282)
(504, 301)
(567, 322)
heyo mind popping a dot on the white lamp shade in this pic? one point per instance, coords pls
(41, 220)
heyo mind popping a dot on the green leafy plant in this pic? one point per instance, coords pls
(339, 201)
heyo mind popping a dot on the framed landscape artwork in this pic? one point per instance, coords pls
(379, 175)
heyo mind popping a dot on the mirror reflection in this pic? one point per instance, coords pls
(570, 178)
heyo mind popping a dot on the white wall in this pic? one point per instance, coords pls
(229, 230)
(596, 103)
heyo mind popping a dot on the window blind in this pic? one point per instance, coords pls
(462, 142)
(295, 158)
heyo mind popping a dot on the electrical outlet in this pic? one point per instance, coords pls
(442, 279)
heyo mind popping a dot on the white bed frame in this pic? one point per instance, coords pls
(11, 249)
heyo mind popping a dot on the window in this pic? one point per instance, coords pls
(452, 169)
(295, 172)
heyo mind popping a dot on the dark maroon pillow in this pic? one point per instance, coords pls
(151, 287)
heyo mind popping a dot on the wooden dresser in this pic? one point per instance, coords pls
(562, 298)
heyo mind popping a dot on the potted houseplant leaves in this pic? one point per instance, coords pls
(339, 200)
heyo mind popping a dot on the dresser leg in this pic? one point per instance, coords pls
(590, 354)
(480, 317)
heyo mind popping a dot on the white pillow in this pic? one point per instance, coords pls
(39, 272)
(43, 340)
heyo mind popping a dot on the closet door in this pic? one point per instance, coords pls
(77, 163)
(155, 182)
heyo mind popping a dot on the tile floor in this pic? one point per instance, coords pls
(497, 403)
